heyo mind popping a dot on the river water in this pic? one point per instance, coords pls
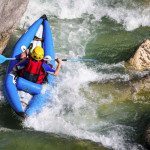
(93, 105)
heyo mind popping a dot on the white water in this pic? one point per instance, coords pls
(130, 14)
(73, 113)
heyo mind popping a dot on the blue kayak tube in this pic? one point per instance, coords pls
(13, 85)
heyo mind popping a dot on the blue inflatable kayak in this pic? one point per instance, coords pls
(13, 85)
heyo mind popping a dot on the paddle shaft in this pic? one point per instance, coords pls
(13, 59)
(3, 59)
(78, 59)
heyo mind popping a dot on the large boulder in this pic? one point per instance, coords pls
(141, 59)
(11, 12)
(139, 63)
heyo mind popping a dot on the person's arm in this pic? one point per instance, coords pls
(59, 61)
(49, 68)
(25, 54)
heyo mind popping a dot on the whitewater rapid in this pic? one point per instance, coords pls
(130, 13)
(73, 25)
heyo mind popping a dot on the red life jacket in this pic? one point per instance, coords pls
(33, 71)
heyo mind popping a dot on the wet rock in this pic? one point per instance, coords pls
(140, 63)
(140, 89)
(141, 59)
(147, 137)
(11, 12)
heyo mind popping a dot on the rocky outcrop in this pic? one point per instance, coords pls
(141, 62)
(141, 59)
(140, 88)
(11, 12)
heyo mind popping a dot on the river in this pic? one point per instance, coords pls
(93, 106)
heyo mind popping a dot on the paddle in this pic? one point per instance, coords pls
(78, 59)
(3, 59)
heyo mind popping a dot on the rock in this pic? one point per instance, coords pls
(140, 62)
(147, 137)
(11, 12)
(140, 89)
(141, 59)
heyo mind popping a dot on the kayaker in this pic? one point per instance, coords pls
(35, 67)
(27, 51)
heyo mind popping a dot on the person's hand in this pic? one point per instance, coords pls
(59, 61)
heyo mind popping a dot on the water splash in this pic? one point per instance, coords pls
(130, 13)
(75, 115)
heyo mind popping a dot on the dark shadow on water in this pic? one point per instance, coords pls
(8, 118)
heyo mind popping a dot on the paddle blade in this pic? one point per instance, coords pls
(2, 59)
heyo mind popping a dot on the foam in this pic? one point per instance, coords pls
(132, 15)
(73, 114)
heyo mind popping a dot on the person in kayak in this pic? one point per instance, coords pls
(25, 52)
(35, 67)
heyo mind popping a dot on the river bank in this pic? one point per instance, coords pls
(11, 13)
